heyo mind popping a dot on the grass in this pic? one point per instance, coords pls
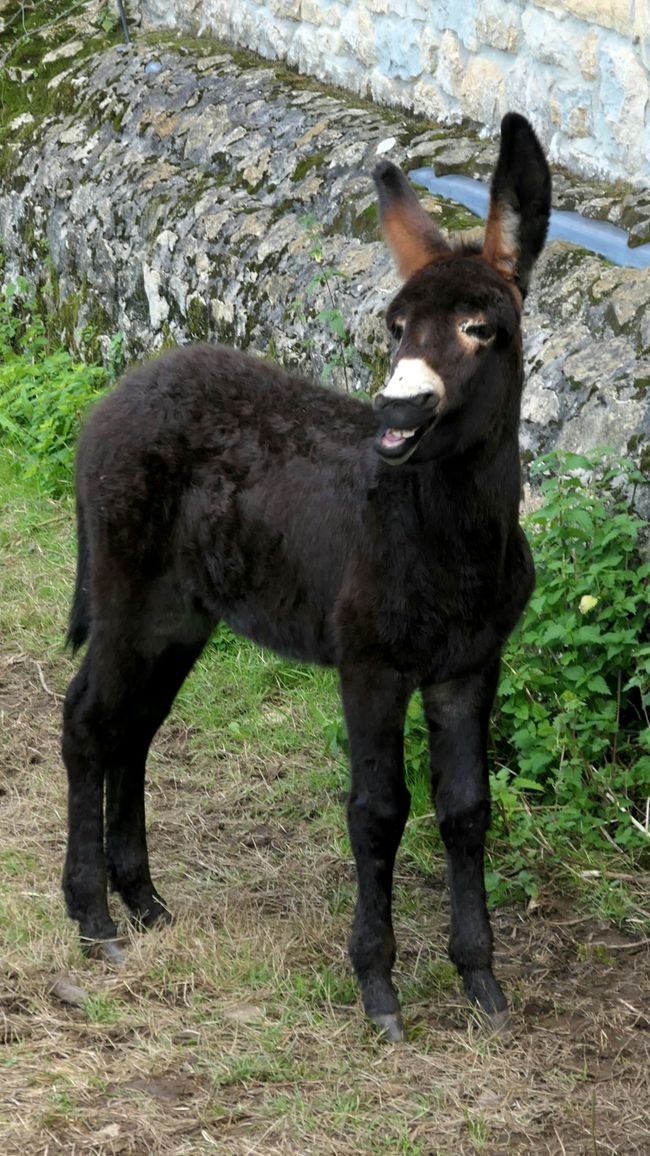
(238, 1029)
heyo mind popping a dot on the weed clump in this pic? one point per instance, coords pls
(44, 389)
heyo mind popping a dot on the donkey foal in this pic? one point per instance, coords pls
(383, 540)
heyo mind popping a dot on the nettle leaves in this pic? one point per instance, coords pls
(570, 736)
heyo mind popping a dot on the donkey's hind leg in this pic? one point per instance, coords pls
(84, 875)
(126, 841)
(113, 709)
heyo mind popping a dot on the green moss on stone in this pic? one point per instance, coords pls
(195, 46)
(28, 233)
(68, 314)
(198, 319)
(98, 318)
(168, 341)
(24, 43)
(379, 365)
(454, 217)
(65, 99)
(364, 225)
(313, 161)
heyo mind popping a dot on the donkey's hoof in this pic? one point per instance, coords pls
(155, 915)
(482, 989)
(391, 1026)
(107, 951)
(498, 1022)
(146, 907)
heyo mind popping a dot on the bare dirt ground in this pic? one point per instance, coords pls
(238, 1030)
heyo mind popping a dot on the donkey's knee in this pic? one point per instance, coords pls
(464, 824)
(376, 822)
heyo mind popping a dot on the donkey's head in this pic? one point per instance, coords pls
(456, 374)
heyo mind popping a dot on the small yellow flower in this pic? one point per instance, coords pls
(587, 603)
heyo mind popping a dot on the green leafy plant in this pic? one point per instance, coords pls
(40, 411)
(573, 726)
(105, 19)
(346, 358)
(22, 329)
(43, 392)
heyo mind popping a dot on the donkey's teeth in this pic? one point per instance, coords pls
(393, 436)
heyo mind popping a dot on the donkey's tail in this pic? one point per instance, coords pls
(79, 624)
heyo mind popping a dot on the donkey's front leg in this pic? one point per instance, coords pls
(458, 715)
(375, 701)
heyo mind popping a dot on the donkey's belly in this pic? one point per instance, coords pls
(303, 637)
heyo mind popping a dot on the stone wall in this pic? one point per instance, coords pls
(162, 191)
(580, 69)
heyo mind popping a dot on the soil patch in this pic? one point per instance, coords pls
(238, 1030)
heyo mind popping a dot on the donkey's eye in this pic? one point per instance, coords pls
(479, 331)
(396, 327)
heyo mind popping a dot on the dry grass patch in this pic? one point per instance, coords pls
(238, 1029)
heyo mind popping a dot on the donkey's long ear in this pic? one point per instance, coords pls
(520, 203)
(410, 234)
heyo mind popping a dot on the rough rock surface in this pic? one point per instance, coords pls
(578, 68)
(169, 203)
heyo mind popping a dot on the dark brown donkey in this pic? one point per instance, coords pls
(379, 539)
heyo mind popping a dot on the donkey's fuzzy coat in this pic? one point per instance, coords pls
(213, 486)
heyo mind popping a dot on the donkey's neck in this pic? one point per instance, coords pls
(461, 489)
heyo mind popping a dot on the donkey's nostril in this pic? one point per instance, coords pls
(428, 401)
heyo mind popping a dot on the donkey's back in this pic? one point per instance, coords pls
(217, 487)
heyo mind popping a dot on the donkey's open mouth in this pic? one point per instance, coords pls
(396, 445)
